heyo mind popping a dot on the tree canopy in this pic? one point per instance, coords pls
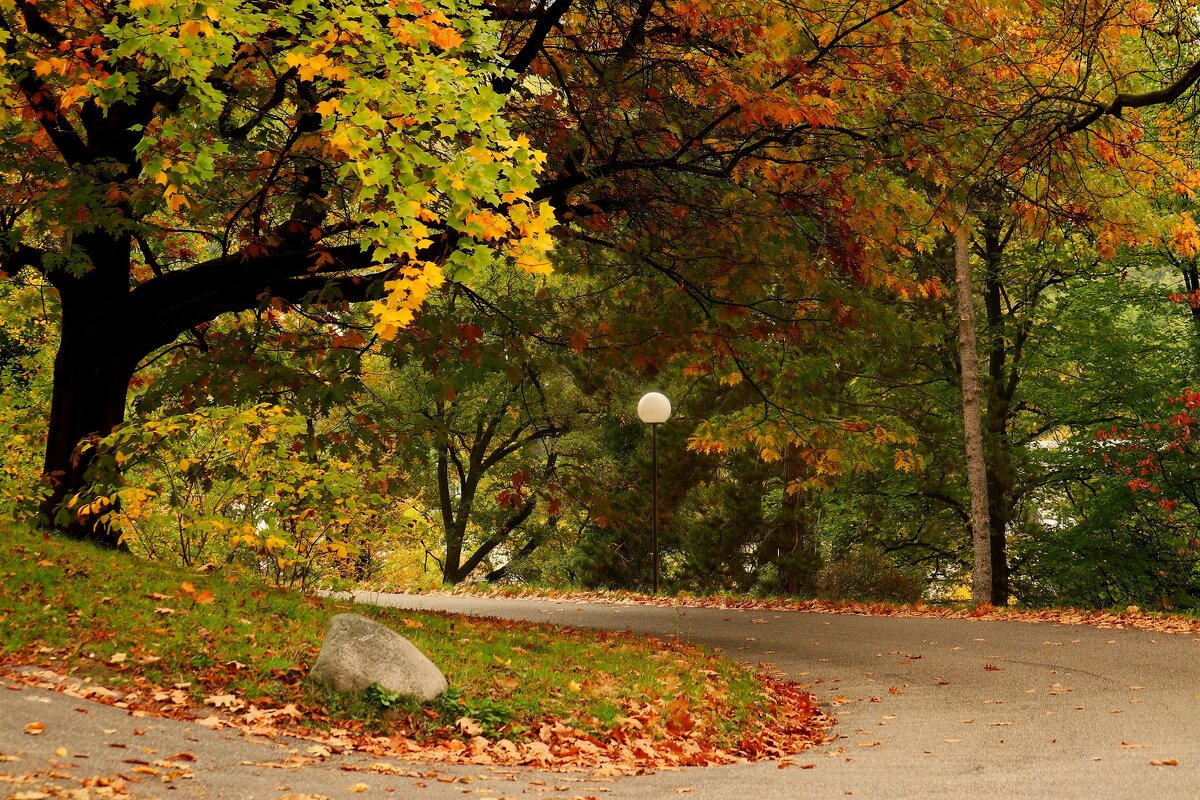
(751, 203)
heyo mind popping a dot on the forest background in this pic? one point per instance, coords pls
(368, 292)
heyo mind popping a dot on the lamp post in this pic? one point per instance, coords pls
(654, 409)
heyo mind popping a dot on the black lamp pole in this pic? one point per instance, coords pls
(654, 480)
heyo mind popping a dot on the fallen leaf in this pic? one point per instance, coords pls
(223, 701)
(1166, 762)
(35, 729)
(1125, 746)
(117, 658)
(468, 726)
(359, 788)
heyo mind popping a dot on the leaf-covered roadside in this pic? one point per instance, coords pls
(1129, 617)
(222, 648)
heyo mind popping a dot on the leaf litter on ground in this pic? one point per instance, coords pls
(1131, 617)
(534, 695)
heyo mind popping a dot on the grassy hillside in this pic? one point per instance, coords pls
(185, 643)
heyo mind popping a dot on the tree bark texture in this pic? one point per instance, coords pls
(981, 573)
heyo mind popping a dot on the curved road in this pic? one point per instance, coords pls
(935, 707)
(927, 708)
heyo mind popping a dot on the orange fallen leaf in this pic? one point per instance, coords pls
(1167, 762)
(35, 729)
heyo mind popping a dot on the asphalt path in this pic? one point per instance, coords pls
(931, 708)
(926, 708)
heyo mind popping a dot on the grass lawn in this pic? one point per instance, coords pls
(185, 643)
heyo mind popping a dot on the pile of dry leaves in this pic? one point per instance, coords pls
(651, 735)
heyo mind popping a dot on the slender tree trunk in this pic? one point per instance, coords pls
(1002, 357)
(798, 551)
(981, 573)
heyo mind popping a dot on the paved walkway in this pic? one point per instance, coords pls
(927, 708)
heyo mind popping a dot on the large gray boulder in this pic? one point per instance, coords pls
(359, 652)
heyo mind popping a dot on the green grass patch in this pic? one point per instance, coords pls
(149, 628)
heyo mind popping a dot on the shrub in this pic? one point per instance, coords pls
(867, 573)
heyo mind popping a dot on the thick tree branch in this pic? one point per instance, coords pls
(524, 57)
(501, 536)
(1163, 96)
(39, 25)
(23, 256)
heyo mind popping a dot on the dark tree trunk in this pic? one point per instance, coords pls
(1191, 280)
(96, 359)
(1000, 390)
(796, 549)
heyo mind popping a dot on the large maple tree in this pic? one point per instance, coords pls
(168, 163)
